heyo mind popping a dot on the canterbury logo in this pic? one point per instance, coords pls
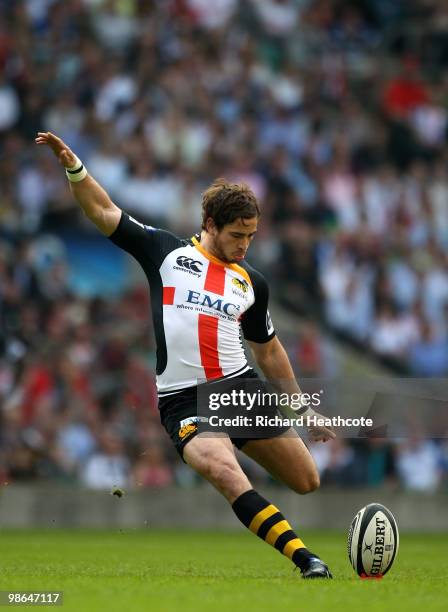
(189, 264)
(241, 284)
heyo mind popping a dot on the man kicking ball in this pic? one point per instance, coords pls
(203, 293)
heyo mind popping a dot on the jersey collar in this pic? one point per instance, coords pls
(209, 256)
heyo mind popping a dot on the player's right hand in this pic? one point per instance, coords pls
(320, 433)
(64, 154)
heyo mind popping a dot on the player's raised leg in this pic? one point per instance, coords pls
(214, 459)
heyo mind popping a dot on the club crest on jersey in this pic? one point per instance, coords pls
(188, 264)
(241, 284)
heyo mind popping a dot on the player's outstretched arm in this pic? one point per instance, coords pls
(92, 198)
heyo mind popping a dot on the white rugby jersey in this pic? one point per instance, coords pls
(199, 305)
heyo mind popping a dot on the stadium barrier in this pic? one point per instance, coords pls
(26, 506)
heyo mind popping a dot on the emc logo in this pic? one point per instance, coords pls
(194, 297)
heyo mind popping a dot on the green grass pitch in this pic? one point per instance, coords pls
(146, 570)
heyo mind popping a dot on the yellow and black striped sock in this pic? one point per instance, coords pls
(269, 524)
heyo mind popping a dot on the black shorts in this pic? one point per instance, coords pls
(179, 413)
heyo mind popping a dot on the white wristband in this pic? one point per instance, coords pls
(77, 172)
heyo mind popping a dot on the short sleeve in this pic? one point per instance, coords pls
(144, 242)
(256, 322)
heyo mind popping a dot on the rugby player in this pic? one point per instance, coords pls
(203, 294)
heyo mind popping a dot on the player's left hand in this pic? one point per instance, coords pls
(63, 152)
(321, 433)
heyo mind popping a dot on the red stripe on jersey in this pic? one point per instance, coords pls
(215, 278)
(168, 296)
(208, 346)
(208, 325)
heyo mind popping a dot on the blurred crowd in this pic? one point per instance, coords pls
(334, 112)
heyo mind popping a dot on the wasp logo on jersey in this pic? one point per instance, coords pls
(241, 284)
(187, 264)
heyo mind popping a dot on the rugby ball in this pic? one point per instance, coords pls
(373, 541)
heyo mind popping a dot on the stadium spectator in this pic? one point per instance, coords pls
(108, 467)
(152, 470)
(419, 464)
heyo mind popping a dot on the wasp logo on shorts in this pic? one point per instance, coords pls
(187, 430)
(188, 264)
(241, 284)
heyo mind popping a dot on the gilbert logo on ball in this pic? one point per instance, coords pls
(373, 541)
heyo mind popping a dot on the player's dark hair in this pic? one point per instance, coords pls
(225, 202)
